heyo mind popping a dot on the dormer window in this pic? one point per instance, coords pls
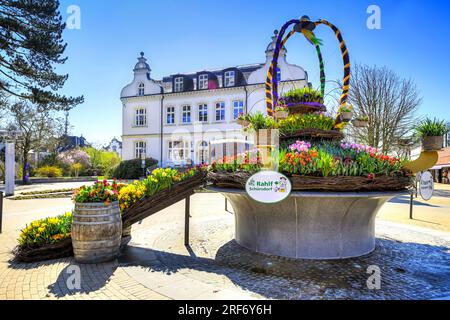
(229, 78)
(178, 84)
(203, 81)
(141, 89)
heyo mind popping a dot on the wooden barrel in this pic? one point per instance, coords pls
(96, 232)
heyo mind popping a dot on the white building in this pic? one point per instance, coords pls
(174, 119)
(115, 146)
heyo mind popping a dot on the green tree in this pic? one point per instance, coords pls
(102, 160)
(31, 45)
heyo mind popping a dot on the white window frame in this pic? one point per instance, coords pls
(203, 82)
(239, 105)
(203, 152)
(202, 112)
(186, 110)
(140, 147)
(170, 110)
(178, 84)
(178, 150)
(220, 105)
(229, 79)
(141, 89)
(140, 117)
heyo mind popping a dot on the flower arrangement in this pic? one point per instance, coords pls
(160, 179)
(101, 191)
(296, 122)
(46, 231)
(243, 119)
(361, 121)
(346, 159)
(304, 95)
(249, 161)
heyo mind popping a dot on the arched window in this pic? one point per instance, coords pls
(141, 90)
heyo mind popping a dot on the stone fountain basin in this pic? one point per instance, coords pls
(309, 225)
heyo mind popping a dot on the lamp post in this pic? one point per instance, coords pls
(10, 137)
(143, 157)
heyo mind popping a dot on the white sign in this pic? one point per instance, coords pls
(268, 187)
(426, 186)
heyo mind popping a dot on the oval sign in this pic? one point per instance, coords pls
(268, 187)
(426, 185)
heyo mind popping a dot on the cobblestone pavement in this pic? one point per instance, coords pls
(414, 263)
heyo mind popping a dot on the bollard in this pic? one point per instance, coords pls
(1, 210)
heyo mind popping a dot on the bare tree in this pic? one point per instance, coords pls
(39, 128)
(389, 101)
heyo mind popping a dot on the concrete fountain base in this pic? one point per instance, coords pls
(309, 225)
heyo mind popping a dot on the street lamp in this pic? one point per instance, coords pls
(10, 137)
(143, 157)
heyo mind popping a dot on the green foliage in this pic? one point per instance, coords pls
(102, 161)
(297, 122)
(46, 231)
(131, 169)
(432, 128)
(31, 49)
(305, 94)
(49, 172)
(362, 118)
(260, 121)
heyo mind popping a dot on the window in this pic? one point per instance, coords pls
(141, 117)
(170, 115)
(220, 111)
(186, 114)
(278, 74)
(179, 84)
(178, 150)
(202, 155)
(203, 112)
(141, 89)
(229, 78)
(238, 108)
(140, 149)
(203, 81)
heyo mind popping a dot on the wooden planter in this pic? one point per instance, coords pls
(281, 114)
(347, 116)
(432, 143)
(96, 232)
(163, 199)
(360, 123)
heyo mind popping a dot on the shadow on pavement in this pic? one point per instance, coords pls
(408, 271)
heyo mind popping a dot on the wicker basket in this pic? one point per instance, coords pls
(313, 134)
(281, 114)
(347, 116)
(432, 143)
(237, 180)
(303, 107)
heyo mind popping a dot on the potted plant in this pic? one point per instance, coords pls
(97, 223)
(243, 120)
(432, 132)
(346, 112)
(281, 112)
(361, 121)
(303, 100)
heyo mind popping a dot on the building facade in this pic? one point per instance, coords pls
(174, 120)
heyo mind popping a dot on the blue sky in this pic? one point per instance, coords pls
(186, 35)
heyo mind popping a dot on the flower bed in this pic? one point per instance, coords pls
(45, 239)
